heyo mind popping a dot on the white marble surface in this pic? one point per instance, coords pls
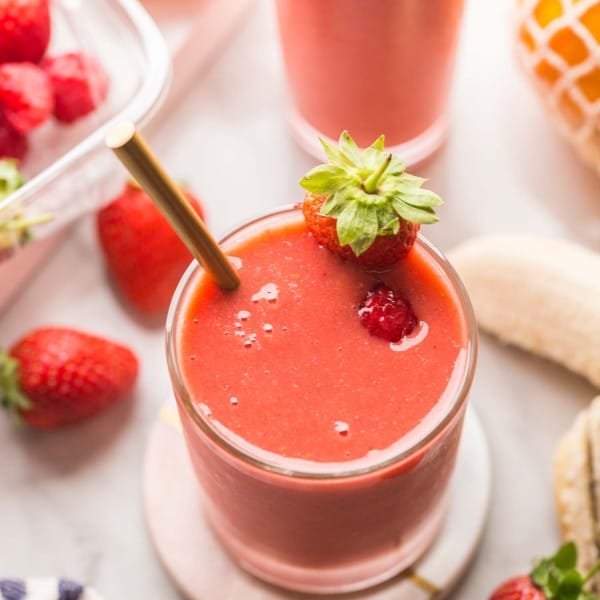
(70, 503)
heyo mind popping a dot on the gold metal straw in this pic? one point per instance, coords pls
(135, 154)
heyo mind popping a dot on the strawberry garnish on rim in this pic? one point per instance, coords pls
(363, 206)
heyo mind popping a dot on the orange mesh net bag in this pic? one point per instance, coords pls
(559, 47)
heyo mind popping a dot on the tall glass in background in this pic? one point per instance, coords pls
(370, 67)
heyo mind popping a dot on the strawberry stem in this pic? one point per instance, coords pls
(19, 224)
(370, 184)
(591, 572)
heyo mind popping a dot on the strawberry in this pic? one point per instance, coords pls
(54, 377)
(519, 588)
(554, 578)
(12, 143)
(143, 253)
(26, 99)
(363, 206)
(24, 30)
(79, 82)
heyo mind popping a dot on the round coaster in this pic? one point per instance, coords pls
(203, 570)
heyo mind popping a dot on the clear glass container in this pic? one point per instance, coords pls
(68, 170)
(323, 527)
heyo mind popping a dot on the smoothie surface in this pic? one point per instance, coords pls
(284, 362)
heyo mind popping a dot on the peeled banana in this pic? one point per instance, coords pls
(577, 486)
(541, 294)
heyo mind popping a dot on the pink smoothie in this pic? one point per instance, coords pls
(280, 377)
(369, 66)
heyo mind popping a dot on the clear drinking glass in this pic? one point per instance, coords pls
(370, 67)
(322, 527)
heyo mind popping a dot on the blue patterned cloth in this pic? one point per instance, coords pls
(44, 589)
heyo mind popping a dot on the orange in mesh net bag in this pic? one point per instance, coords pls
(559, 47)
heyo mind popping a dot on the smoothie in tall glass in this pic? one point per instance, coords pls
(324, 450)
(370, 66)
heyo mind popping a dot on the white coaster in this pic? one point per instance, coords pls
(203, 570)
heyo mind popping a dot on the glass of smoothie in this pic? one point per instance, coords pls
(370, 66)
(324, 453)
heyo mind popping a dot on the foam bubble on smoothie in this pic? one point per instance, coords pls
(268, 292)
(234, 400)
(243, 315)
(236, 262)
(268, 328)
(410, 341)
(205, 410)
(341, 427)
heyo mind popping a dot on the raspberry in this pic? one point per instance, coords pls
(386, 315)
(12, 143)
(79, 82)
(25, 96)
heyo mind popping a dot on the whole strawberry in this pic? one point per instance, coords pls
(363, 206)
(24, 30)
(54, 377)
(79, 82)
(554, 578)
(144, 255)
(26, 99)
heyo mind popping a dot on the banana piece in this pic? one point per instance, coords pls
(541, 294)
(577, 487)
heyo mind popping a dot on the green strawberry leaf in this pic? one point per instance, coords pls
(348, 226)
(325, 179)
(368, 231)
(541, 574)
(388, 221)
(421, 198)
(11, 178)
(414, 214)
(566, 557)
(350, 149)
(11, 396)
(570, 586)
(368, 192)
(558, 577)
(335, 156)
(379, 143)
(371, 160)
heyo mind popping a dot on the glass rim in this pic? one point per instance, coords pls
(236, 451)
